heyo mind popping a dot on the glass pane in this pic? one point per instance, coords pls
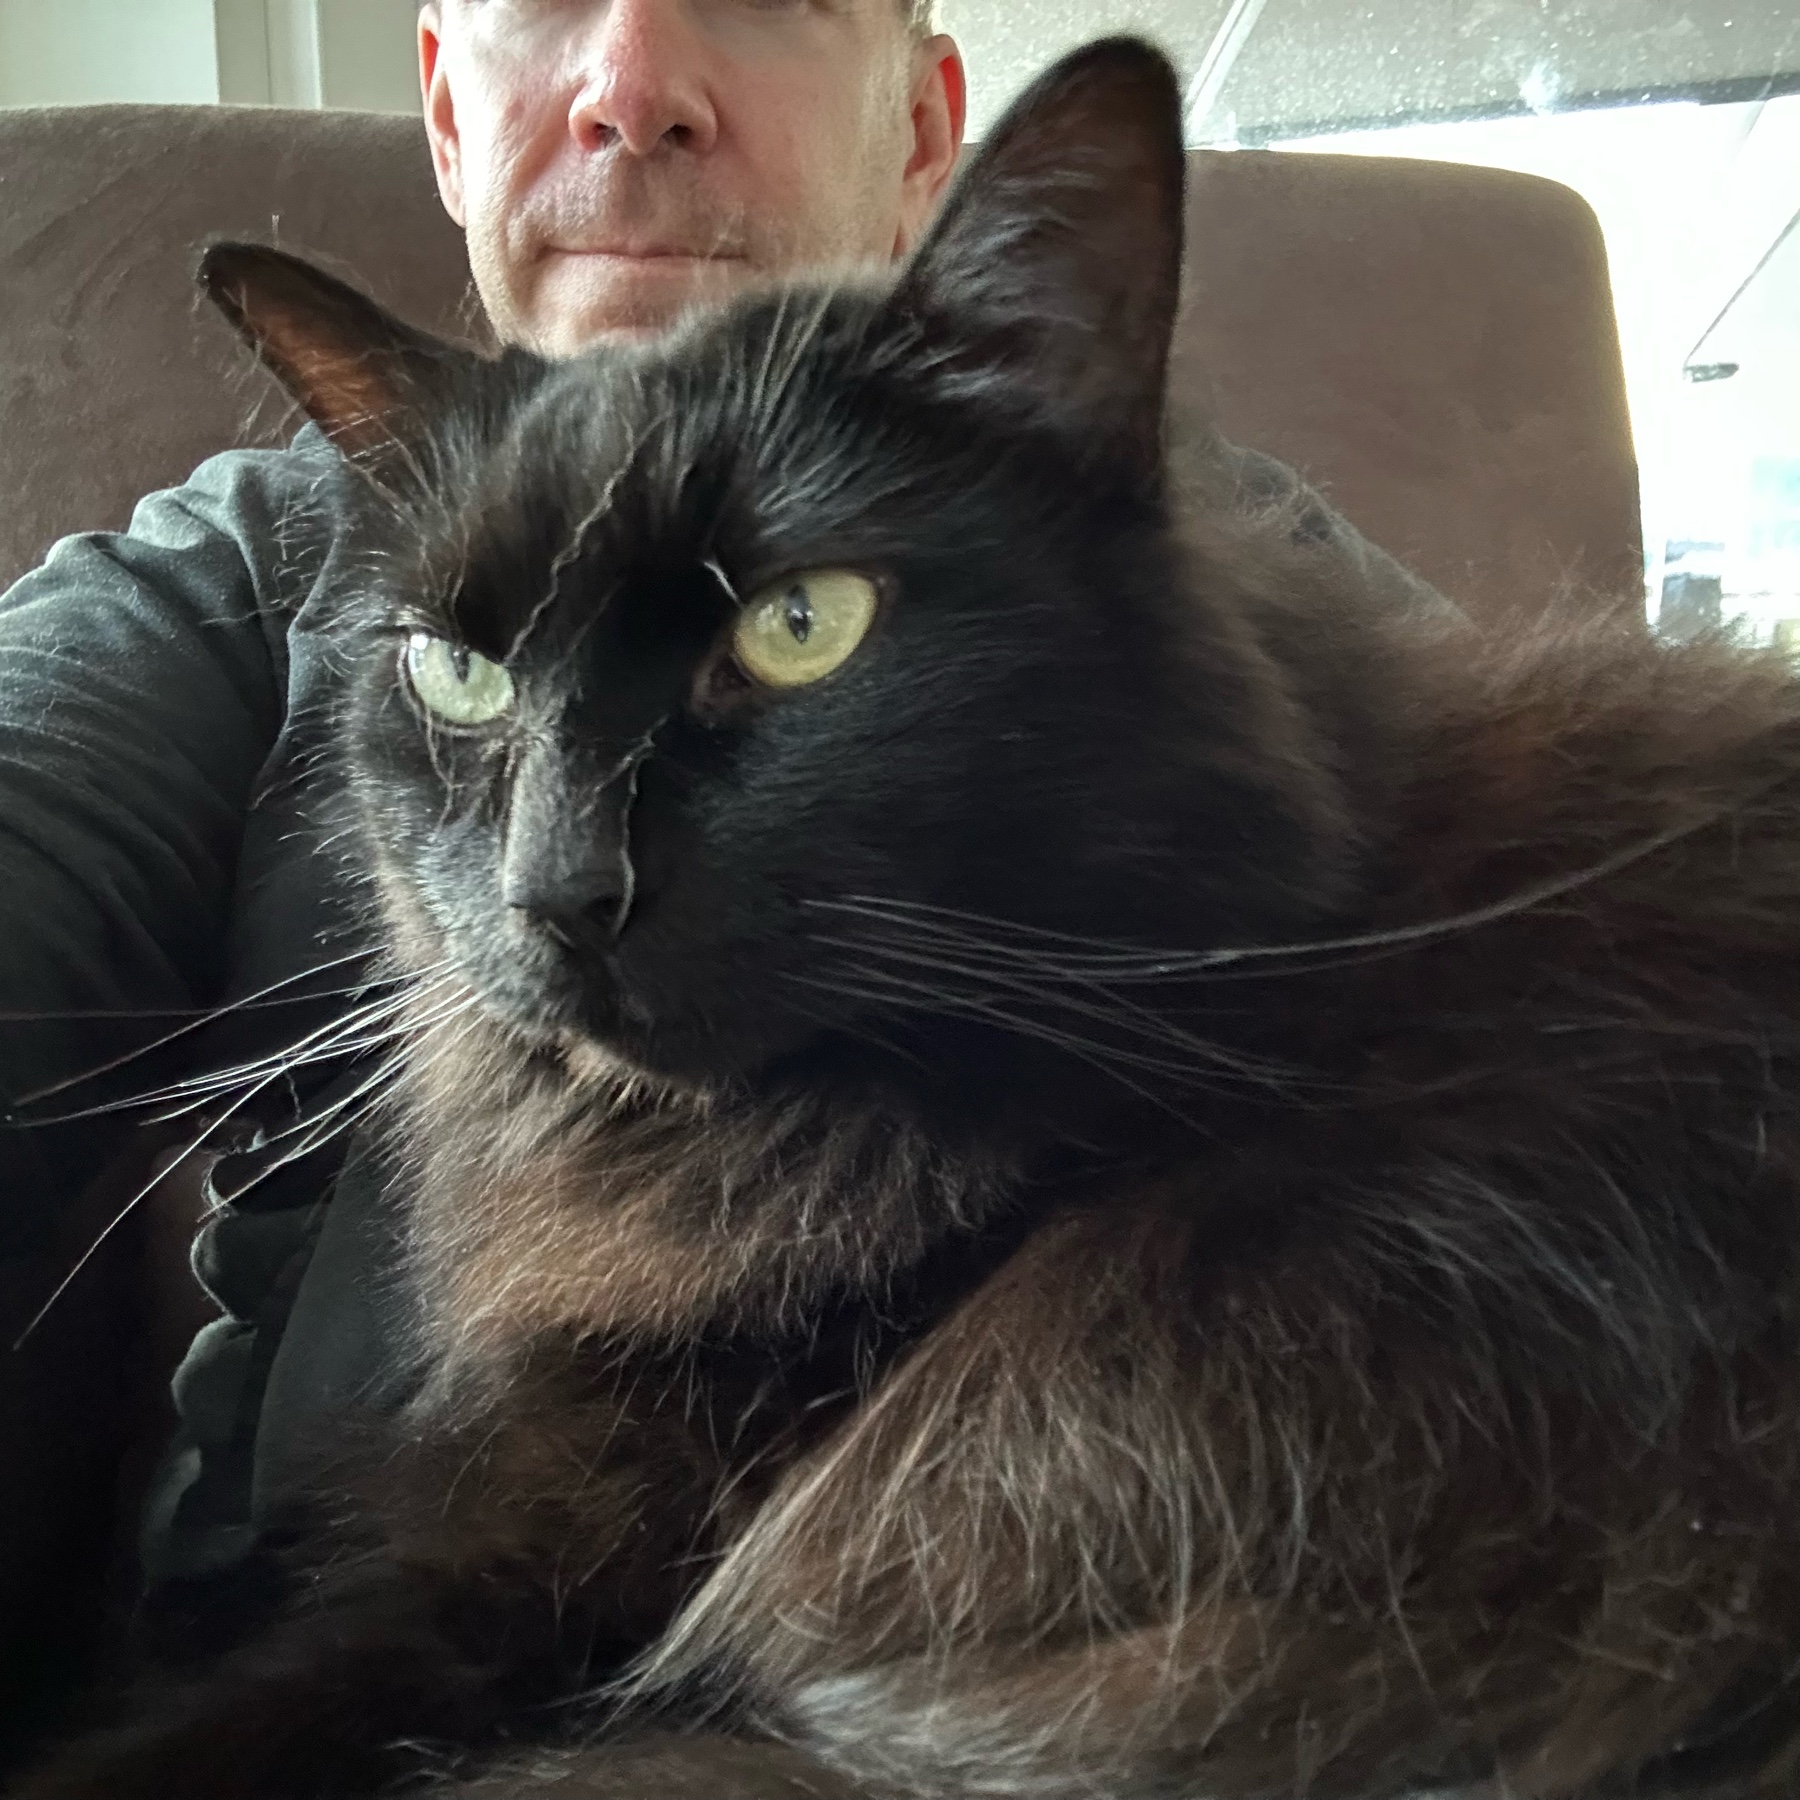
(1268, 69)
(1697, 203)
(1322, 65)
(1007, 42)
(1678, 120)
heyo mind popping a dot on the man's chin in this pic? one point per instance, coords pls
(582, 299)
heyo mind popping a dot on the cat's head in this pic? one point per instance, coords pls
(726, 696)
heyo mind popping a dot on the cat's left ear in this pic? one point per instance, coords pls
(1060, 245)
(371, 381)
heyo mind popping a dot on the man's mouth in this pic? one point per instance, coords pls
(630, 287)
(646, 252)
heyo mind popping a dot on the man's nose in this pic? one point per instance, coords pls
(645, 81)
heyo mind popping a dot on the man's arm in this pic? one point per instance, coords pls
(143, 683)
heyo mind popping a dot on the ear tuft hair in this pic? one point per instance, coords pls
(370, 380)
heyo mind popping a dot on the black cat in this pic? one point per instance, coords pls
(1048, 1150)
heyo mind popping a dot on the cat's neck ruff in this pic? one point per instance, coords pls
(598, 1203)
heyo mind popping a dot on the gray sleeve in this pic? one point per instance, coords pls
(142, 684)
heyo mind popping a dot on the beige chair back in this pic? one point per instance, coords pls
(1432, 344)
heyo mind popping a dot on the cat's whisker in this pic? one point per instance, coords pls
(572, 546)
(105, 1235)
(320, 1129)
(863, 1031)
(1103, 1007)
(883, 989)
(338, 1037)
(406, 1029)
(282, 1066)
(1097, 957)
(112, 1226)
(1107, 1009)
(1188, 963)
(427, 1051)
(262, 997)
(352, 1110)
(197, 1017)
(1154, 968)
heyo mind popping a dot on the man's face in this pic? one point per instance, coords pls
(615, 161)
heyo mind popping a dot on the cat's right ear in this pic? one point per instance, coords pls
(371, 381)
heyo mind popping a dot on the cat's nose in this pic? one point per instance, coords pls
(566, 858)
(573, 878)
(575, 906)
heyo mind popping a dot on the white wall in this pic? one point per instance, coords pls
(367, 58)
(241, 51)
(57, 51)
(353, 53)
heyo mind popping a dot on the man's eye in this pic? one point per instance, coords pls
(454, 684)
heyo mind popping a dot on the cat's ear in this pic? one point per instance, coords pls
(371, 381)
(1061, 242)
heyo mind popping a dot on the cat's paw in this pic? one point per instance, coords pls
(113, 1767)
(666, 1768)
(165, 1761)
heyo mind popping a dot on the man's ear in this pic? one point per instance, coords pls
(1060, 244)
(372, 382)
(440, 114)
(939, 111)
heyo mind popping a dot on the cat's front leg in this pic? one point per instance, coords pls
(668, 1767)
(343, 1695)
(1132, 1523)
(482, 1571)
(312, 1708)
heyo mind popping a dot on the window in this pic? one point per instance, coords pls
(1678, 120)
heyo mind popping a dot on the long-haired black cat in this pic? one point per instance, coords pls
(1073, 1160)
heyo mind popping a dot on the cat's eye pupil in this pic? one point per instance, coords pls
(459, 660)
(799, 614)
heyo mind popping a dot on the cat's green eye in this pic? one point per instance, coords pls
(802, 628)
(459, 686)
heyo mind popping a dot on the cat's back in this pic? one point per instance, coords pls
(1582, 943)
(1590, 777)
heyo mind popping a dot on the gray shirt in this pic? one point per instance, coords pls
(167, 817)
(151, 685)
